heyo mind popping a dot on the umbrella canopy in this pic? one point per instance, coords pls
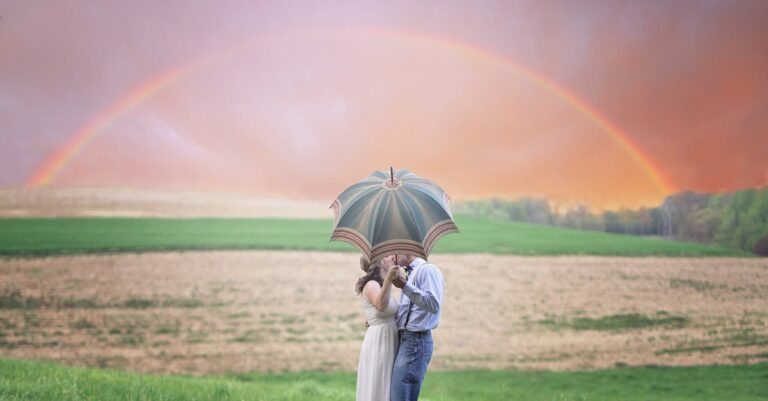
(392, 213)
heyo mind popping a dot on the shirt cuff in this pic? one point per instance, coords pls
(409, 289)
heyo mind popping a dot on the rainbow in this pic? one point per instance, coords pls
(664, 185)
(47, 171)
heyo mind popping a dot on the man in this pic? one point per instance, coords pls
(417, 315)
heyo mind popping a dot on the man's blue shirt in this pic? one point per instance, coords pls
(424, 289)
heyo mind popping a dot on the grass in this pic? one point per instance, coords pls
(50, 236)
(25, 380)
(250, 336)
(617, 322)
(703, 348)
(12, 299)
(701, 286)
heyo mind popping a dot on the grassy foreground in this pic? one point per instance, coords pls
(25, 380)
(48, 236)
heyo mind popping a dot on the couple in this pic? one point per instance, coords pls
(398, 342)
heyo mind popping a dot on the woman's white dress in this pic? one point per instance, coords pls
(377, 354)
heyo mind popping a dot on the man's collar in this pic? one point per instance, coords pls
(417, 262)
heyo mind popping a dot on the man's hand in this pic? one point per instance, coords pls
(397, 277)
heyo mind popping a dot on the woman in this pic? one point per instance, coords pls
(377, 354)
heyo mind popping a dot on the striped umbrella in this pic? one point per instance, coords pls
(392, 213)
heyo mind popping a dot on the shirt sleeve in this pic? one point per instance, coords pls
(429, 294)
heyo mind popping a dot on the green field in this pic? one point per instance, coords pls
(49, 236)
(23, 380)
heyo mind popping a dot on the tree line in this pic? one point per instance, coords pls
(735, 219)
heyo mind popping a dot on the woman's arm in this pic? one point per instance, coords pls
(386, 288)
(378, 295)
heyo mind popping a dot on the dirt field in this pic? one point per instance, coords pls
(135, 202)
(210, 312)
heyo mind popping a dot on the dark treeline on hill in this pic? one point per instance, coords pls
(735, 219)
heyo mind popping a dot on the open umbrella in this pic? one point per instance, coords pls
(392, 213)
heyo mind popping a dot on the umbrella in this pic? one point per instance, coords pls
(392, 213)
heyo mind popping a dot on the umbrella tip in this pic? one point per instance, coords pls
(392, 174)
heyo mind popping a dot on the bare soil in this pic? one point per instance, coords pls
(215, 312)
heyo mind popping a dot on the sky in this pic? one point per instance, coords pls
(608, 103)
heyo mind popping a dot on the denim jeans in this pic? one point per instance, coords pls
(413, 355)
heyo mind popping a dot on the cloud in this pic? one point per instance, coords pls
(687, 81)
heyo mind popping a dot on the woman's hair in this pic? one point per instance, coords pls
(372, 272)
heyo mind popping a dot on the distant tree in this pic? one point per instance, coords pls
(744, 219)
(647, 224)
(761, 248)
(539, 211)
(737, 219)
(677, 213)
(657, 221)
(573, 217)
(612, 222)
(628, 221)
(703, 224)
(528, 210)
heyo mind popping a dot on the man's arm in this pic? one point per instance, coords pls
(429, 294)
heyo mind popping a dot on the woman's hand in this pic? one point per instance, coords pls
(393, 272)
(396, 276)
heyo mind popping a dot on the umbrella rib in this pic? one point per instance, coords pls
(438, 231)
(352, 237)
(375, 216)
(413, 220)
(359, 194)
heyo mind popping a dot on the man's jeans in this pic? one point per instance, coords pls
(413, 356)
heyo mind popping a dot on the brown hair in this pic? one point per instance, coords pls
(372, 272)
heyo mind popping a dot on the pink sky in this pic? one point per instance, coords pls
(300, 99)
